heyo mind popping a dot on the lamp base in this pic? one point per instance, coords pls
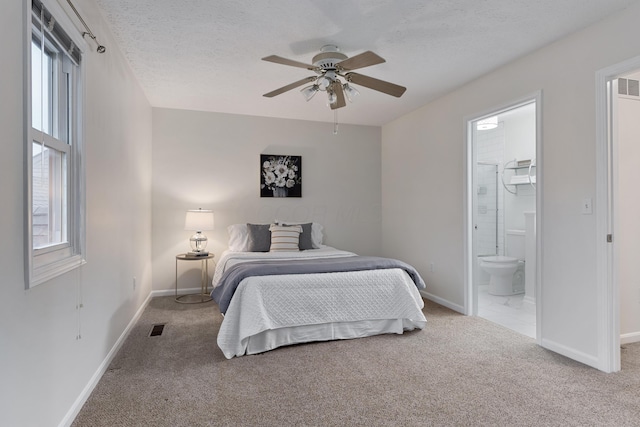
(196, 254)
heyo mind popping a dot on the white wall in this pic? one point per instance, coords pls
(424, 223)
(212, 160)
(628, 212)
(43, 368)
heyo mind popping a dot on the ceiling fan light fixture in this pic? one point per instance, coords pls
(309, 91)
(323, 82)
(332, 97)
(350, 92)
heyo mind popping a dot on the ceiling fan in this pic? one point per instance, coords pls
(330, 64)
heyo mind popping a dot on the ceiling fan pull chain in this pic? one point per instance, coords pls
(335, 122)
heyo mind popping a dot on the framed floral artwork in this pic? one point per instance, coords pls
(280, 176)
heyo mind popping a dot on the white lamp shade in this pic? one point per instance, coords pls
(350, 92)
(198, 220)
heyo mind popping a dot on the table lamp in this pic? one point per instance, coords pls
(198, 220)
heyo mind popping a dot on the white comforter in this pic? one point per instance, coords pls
(270, 311)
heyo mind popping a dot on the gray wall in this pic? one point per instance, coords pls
(43, 367)
(424, 224)
(212, 161)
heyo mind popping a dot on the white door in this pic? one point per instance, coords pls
(617, 254)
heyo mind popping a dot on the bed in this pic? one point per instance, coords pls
(277, 298)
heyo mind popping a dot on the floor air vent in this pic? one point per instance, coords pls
(156, 330)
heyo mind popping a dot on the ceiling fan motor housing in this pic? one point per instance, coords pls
(328, 60)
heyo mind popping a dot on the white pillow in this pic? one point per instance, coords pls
(238, 237)
(316, 235)
(285, 237)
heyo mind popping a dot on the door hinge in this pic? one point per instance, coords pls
(609, 238)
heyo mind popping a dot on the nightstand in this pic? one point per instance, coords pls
(203, 296)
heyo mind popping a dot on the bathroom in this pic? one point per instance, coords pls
(504, 205)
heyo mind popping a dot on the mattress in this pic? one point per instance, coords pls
(267, 312)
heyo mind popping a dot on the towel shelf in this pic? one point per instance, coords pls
(519, 179)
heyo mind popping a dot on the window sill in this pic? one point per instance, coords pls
(47, 272)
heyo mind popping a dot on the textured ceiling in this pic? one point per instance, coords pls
(205, 54)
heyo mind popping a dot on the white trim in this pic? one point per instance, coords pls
(443, 302)
(95, 379)
(470, 297)
(608, 292)
(539, 215)
(47, 272)
(630, 338)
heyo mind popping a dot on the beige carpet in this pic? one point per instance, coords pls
(460, 370)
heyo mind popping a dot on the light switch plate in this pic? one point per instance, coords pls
(587, 206)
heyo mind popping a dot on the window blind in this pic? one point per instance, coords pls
(58, 35)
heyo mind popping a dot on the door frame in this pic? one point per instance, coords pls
(470, 293)
(608, 290)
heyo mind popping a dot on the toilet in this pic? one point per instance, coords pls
(507, 272)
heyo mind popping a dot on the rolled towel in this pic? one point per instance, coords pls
(522, 179)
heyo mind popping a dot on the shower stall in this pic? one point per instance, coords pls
(487, 209)
(488, 215)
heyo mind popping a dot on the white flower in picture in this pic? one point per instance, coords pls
(281, 170)
(269, 178)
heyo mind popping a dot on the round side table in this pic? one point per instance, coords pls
(203, 296)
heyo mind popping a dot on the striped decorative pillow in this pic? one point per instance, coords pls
(285, 237)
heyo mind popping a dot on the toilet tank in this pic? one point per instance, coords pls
(515, 244)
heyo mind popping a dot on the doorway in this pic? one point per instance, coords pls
(502, 201)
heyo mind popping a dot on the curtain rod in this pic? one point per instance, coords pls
(101, 48)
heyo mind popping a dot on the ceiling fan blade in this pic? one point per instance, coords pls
(375, 84)
(284, 61)
(290, 86)
(336, 87)
(365, 59)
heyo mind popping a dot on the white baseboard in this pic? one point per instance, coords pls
(571, 353)
(630, 338)
(444, 302)
(82, 398)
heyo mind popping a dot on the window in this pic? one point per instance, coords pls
(55, 199)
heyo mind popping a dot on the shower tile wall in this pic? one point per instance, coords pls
(490, 149)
